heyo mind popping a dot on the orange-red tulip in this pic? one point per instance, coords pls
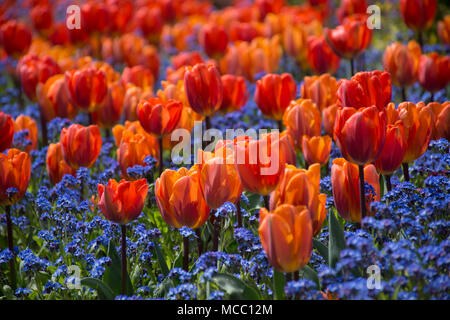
(15, 37)
(320, 89)
(15, 172)
(391, 157)
(440, 120)
(81, 145)
(295, 43)
(351, 7)
(286, 236)
(345, 183)
(32, 69)
(443, 29)
(418, 14)
(301, 118)
(139, 76)
(243, 31)
(109, 114)
(418, 128)
(150, 22)
(180, 200)
(203, 88)
(321, 58)
(23, 122)
(329, 118)
(57, 167)
(402, 62)
(214, 40)
(349, 39)
(122, 202)
(186, 59)
(273, 94)
(365, 89)
(42, 17)
(316, 149)
(360, 134)
(95, 16)
(434, 71)
(120, 13)
(6, 131)
(87, 87)
(159, 117)
(133, 95)
(235, 93)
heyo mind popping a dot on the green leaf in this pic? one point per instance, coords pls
(311, 274)
(113, 274)
(279, 282)
(161, 259)
(381, 180)
(164, 287)
(104, 292)
(321, 248)
(336, 240)
(235, 287)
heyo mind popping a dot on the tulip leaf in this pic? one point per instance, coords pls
(279, 282)
(164, 287)
(104, 292)
(311, 274)
(235, 288)
(161, 259)
(321, 248)
(336, 240)
(113, 274)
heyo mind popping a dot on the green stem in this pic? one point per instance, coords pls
(405, 167)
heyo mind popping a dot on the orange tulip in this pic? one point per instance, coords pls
(6, 131)
(81, 145)
(320, 89)
(214, 40)
(219, 179)
(351, 7)
(15, 172)
(203, 88)
(402, 62)
(418, 127)
(349, 39)
(135, 128)
(345, 183)
(109, 114)
(434, 71)
(418, 14)
(133, 95)
(360, 134)
(274, 93)
(391, 157)
(302, 117)
(139, 76)
(286, 236)
(295, 43)
(329, 118)
(365, 89)
(440, 120)
(316, 149)
(122, 202)
(320, 56)
(87, 87)
(26, 123)
(443, 29)
(260, 164)
(15, 38)
(56, 165)
(180, 200)
(159, 117)
(235, 93)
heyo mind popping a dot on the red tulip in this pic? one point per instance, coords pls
(109, 114)
(402, 62)
(42, 17)
(95, 17)
(351, 7)
(443, 28)
(320, 56)
(418, 14)
(391, 157)
(139, 76)
(15, 37)
(150, 22)
(15, 172)
(434, 71)
(6, 131)
(214, 40)
(235, 93)
(186, 59)
(57, 167)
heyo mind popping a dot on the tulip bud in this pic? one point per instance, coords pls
(214, 40)
(434, 71)
(6, 131)
(402, 62)
(443, 29)
(159, 117)
(320, 89)
(320, 56)
(235, 93)
(418, 14)
(316, 149)
(56, 165)
(15, 172)
(394, 149)
(15, 38)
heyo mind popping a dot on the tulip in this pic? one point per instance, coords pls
(286, 236)
(418, 14)
(235, 94)
(274, 93)
(320, 56)
(54, 99)
(329, 118)
(134, 127)
(81, 145)
(120, 14)
(365, 89)
(42, 17)
(302, 117)
(32, 70)
(56, 165)
(316, 149)
(351, 7)
(214, 40)
(402, 62)
(139, 76)
(242, 31)
(22, 123)
(204, 90)
(109, 114)
(344, 180)
(95, 16)
(295, 43)
(443, 29)
(186, 59)
(133, 95)
(150, 22)
(15, 38)
(6, 131)
(87, 88)
(440, 119)
(320, 89)
(434, 72)
(121, 203)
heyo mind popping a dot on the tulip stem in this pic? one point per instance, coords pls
(207, 122)
(362, 195)
(161, 166)
(216, 233)
(238, 214)
(404, 95)
(199, 241)
(296, 275)
(266, 202)
(185, 253)
(124, 258)
(431, 96)
(280, 125)
(420, 39)
(352, 67)
(388, 182)
(90, 118)
(44, 129)
(405, 167)
(12, 266)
